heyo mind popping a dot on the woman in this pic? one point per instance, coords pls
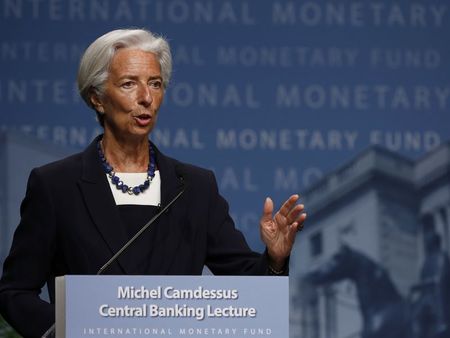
(79, 211)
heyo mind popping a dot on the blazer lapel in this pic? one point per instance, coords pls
(171, 222)
(101, 205)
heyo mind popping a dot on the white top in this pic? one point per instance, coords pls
(151, 196)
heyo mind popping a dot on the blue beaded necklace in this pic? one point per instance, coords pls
(119, 183)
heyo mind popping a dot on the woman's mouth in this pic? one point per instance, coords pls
(143, 120)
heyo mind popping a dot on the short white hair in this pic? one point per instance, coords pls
(96, 60)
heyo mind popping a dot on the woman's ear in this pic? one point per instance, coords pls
(96, 101)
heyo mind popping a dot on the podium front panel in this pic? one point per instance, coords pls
(175, 306)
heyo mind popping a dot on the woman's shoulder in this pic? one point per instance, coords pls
(191, 171)
(64, 166)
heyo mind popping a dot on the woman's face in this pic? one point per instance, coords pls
(132, 94)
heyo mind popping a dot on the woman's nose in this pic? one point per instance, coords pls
(144, 95)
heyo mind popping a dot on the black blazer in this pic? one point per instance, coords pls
(70, 225)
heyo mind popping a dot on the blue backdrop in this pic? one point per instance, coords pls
(272, 95)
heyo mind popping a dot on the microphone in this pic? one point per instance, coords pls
(145, 227)
(50, 333)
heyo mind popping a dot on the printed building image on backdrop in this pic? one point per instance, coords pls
(345, 102)
(374, 258)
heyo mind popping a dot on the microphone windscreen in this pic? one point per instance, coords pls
(181, 174)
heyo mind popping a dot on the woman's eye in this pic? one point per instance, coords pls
(155, 84)
(127, 84)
